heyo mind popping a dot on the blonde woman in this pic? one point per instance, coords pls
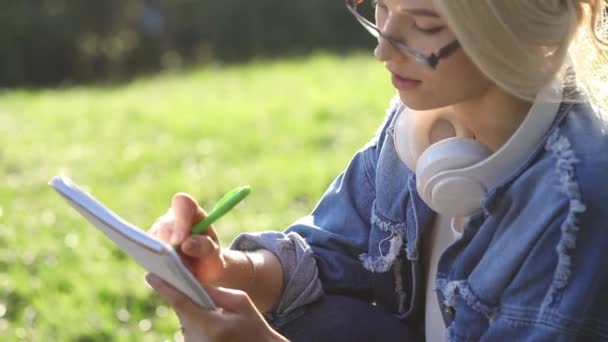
(478, 212)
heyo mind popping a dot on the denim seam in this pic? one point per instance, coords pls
(368, 165)
(559, 324)
(411, 247)
(451, 336)
(391, 114)
(370, 158)
(519, 311)
(561, 148)
(534, 311)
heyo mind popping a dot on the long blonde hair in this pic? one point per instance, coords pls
(522, 45)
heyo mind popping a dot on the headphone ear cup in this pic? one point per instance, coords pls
(443, 185)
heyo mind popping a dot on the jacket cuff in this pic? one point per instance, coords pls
(301, 284)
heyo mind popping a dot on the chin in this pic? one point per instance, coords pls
(415, 102)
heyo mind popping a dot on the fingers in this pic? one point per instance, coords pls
(163, 226)
(179, 301)
(228, 299)
(175, 225)
(231, 300)
(236, 319)
(199, 246)
(186, 213)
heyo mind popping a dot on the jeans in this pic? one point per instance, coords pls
(341, 318)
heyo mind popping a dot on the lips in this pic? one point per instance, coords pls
(404, 83)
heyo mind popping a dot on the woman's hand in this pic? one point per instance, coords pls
(236, 320)
(259, 273)
(201, 253)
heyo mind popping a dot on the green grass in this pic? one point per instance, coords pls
(284, 127)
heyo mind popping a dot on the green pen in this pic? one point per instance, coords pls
(224, 205)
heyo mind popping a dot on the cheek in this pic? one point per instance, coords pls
(460, 78)
(455, 80)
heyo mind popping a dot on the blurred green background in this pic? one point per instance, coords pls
(136, 100)
(49, 42)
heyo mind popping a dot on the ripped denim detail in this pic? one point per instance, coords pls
(561, 148)
(387, 257)
(395, 233)
(461, 288)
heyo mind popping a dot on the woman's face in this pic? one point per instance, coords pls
(416, 23)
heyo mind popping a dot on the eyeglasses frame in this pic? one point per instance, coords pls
(431, 60)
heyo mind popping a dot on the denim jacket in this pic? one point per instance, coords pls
(527, 267)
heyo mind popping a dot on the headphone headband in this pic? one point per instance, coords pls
(502, 163)
(454, 174)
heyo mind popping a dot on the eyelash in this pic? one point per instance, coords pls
(427, 31)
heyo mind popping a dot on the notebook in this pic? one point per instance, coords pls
(152, 254)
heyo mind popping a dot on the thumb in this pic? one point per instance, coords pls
(187, 212)
(231, 300)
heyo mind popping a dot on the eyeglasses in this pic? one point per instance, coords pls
(429, 60)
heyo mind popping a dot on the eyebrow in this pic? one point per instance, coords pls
(421, 12)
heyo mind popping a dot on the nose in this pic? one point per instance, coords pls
(385, 51)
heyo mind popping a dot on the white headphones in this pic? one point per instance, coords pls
(454, 174)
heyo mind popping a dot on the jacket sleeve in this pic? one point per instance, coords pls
(320, 252)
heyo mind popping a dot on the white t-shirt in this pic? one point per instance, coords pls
(441, 236)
